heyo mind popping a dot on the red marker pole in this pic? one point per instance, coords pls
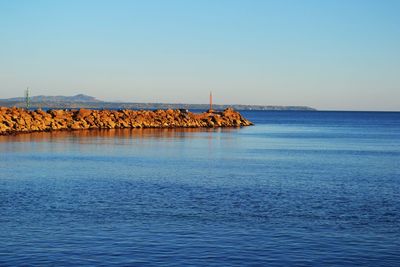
(210, 101)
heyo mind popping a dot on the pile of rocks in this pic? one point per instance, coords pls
(17, 120)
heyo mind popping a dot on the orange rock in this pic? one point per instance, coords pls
(82, 113)
(14, 120)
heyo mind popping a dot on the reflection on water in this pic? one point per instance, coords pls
(81, 135)
(142, 142)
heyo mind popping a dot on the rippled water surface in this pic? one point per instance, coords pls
(299, 188)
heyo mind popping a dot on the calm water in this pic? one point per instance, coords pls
(299, 188)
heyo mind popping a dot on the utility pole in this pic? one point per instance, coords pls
(27, 98)
(210, 110)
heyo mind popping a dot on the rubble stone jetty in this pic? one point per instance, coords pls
(18, 120)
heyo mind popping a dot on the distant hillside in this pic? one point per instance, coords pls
(58, 98)
(85, 101)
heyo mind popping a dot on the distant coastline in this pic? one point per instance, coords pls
(89, 102)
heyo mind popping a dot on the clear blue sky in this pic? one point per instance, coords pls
(331, 54)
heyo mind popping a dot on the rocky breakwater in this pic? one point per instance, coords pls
(17, 120)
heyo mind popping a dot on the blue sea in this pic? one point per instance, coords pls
(297, 189)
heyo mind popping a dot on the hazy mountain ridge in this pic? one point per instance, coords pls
(58, 98)
(85, 101)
